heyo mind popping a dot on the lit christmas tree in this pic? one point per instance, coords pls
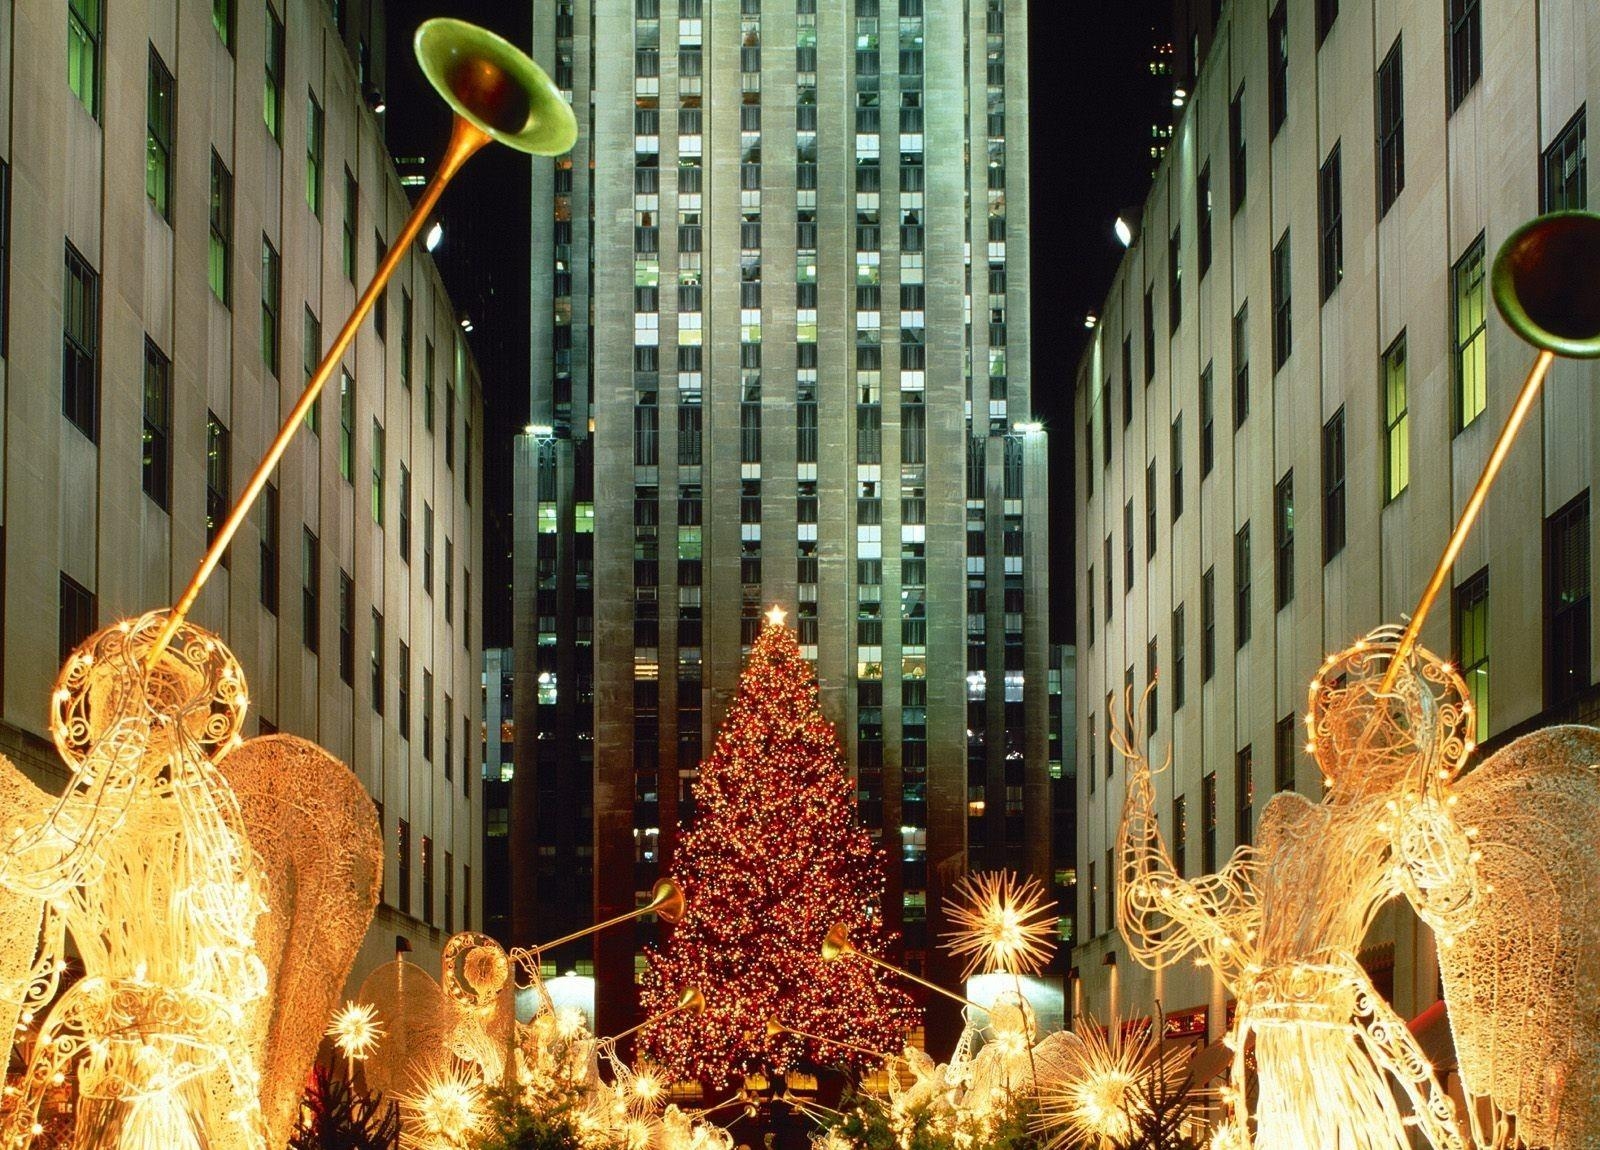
(775, 857)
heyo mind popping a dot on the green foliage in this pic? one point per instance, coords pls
(513, 1125)
(869, 1123)
(335, 1116)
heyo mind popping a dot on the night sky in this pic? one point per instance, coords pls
(1093, 101)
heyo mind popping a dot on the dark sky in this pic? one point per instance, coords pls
(1092, 103)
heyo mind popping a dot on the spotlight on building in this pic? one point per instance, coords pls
(1124, 231)
(466, 323)
(1028, 427)
(1091, 321)
(1180, 96)
(435, 234)
(540, 431)
(374, 99)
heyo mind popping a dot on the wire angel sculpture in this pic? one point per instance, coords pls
(1499, 862)
(216, 889)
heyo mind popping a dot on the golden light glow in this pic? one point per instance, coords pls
(443, 1111)
(1004, 923)
(776, 616)
(355, 1029)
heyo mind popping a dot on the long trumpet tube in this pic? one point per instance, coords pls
(695, 1006)
(775, 1028)
(906, 974)
(465, 140)
(1469, 514)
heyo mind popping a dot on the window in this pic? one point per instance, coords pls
(352, 200)
(427, 715)
(1179, 643)
(403, 695)
(159, 137)
(380, 309)
(1471, 340)
(1090, 746)
(449, 744)
(449, 578)
(1094, 903)
(314, 155)
(1470, 617)
(1466, 49)
(222, 19)
(1127, 546)
(427, 385)
(5, 257)
(80, 346)
(1396, 436)
(1089, 613)
(1283, 539)
(449, 890)
(376, 658)
(1333, 486)
(310, 590)
(1208, 827)
(1203, 206)
(1277, 68)
(347, 628)
(1176, 496)
(1391, 131)
(1127, 384)
(347, 426)
(405, 514)
(1565, 184)
(405, 339)
(220, 267)
(77, 618)
(1149, 342)
(427, 880)
(84, 30)
(272, 90)
(377, 472)
(269, 548)
(1244, 794)
(403, 846)
(1180, 833)
(1174, 281)
(1152, 707)
(219, 479)
(466, 868)
(449, 426)
(271, 302)
(1327, 13)
(157, 449)
(1566, 602)
(427, 548)
(1107, 570)
(1208, 624)
(1330, 218)
(1241, 365)
(1282, 326)
(1150, 510)
(1237, 164)
(1283, 753)
(311, 359)
(1241, 586)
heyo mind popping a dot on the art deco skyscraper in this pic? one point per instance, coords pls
(780, 357)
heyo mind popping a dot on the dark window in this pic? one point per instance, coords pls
(1470, 619)
(1127, 385)
(347, 629)
(1179, 645)
(78, 616)
(449, 886)
(314, 155)
(1241, 586)
(1107, 570)
(1283, 539)
(272, 92)
(271, 303)
(269, 548)
(1391, 131)
(1470, 304)
(219, 478)
(1277, 67)
(1283, 753)
(1180, 833)
(5, 257)
(380, 309)
(1241, 365)
(1566, 602)
(1327, 13)
(1208, 822)
(310, 590)
(1150, 510)
(376, 661)
(1127, 546)
(427, 715)
(352, 203)
(1174, 281)
(1152, 707)
(1088, 447)
(159, 137)
(1149, 335)
(1208, 624)
(222, 19)
(402, 841)
(403, 695)
(427, 548)
(1203, 206)
(1244, 793)
(220, 266)
(1330, 217)
(1282, 317)
(427, 879)
(1177, 467)
(405, 514)
(157, 450)
(1466, 49)
(405, 339)
(1565, 170)
(311, 355)
(1237, 164)
(1208, 452)
(80, 346)
(1333, 486)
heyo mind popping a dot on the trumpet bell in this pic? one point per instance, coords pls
(775, 1028)
(1546, 283)
(837, 944)
(491, 83)
(692, 1001)
(666, 897)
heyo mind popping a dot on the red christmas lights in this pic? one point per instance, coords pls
(775, 857)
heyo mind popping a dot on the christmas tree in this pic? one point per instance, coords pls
(774, 858)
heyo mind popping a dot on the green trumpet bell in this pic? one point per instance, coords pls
(493, 85)
(1546, 282)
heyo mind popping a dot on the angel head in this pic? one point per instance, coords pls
(1367, 741)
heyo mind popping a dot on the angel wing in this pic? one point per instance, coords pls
(317, 834)
(1522, 974)
(22, 915)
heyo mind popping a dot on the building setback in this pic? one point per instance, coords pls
(780, 356)
(1292, 391)
(191, 203)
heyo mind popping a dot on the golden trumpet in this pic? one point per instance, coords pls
(776, 1028)
(497, 93)
(837, 945)
(666, 903)
(691, 1001)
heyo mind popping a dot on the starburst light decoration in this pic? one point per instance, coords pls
(355, 1030)
(442, 1112)
(1003, 923)
(1096, 1082)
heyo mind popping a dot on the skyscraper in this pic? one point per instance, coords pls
(781, 355)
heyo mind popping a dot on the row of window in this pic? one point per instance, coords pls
(426, 911)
